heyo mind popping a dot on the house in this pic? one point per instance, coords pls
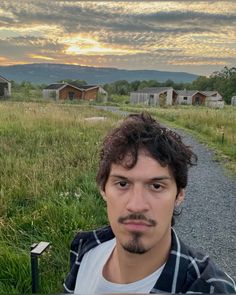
(168, 96)
(191, 97)
(214, 99)
(154, 96)
(233, 101)
(94, 92)
(5, 87)
(194, 97)
(64, 91)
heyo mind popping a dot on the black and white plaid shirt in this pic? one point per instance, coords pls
(186, 271)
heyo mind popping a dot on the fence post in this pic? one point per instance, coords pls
(222, 138)
(36, 251)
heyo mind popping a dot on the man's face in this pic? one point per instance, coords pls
(140, 204)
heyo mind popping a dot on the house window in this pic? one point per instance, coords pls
(185, 98)
(151, 96)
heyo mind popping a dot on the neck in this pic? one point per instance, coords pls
(124, 267)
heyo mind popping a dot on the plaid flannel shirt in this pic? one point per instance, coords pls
(186, 271)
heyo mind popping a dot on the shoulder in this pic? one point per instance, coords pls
(86, 240)
(203, 275)
(82, 243)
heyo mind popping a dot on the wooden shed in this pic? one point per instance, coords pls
(233, 101)
(214, 99)
(5, 87)
(154, 96)
(191, 97)
(94, 92)
(63, 91)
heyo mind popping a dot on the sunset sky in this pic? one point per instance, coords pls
(193, 36)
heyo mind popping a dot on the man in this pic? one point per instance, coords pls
(142, 176)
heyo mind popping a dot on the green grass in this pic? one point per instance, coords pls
(215, 127)
(26, 94)
(48, 163)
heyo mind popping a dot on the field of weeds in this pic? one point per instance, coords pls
(48, 164)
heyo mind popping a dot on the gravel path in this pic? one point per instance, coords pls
(209, 211)
(208, 218)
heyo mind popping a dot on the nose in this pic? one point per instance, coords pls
(137, 200)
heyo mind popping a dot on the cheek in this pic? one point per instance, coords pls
(112, 209)
(163, 209)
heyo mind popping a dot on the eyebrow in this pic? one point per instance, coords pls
(152, 179)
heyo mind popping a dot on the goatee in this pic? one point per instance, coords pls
(134, 246)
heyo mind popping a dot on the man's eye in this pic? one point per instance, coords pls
(156, 186)
(122, 183)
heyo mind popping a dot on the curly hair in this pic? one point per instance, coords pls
(142, 132)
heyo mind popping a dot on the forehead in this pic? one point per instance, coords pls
(146, 167)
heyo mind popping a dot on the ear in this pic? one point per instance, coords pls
(103, 194)
(180, 197)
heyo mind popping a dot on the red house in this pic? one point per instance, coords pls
(63, 91)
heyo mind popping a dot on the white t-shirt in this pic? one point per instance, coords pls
(90, 279)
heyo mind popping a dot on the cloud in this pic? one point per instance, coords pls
(74, 15)
(129, 34)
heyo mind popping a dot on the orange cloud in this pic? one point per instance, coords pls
(36, 56)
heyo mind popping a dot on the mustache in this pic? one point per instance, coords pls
(137, 216)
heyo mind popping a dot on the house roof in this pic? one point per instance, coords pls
(187, 92)
(58, 86)
(210, 93)
(153, 90)
(85, 87)
(55, 86)
(2, 79)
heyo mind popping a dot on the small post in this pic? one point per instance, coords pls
(222, 138)
(34, 274)
(36, 251)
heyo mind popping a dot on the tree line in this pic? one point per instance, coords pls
(223, 81)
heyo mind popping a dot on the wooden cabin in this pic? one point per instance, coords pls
(64, 91)
(154, 96)
(5, 87)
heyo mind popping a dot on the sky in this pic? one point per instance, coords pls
(192, 36)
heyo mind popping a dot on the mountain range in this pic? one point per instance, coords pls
(47, 73)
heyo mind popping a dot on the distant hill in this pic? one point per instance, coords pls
(50, 73)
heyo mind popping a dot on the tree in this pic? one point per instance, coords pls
(26, 86)
(202, 83)
(169, 83)
(153, 83)
(134, 85)
(224, 82)
(143, 84)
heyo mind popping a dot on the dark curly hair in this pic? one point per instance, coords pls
(141, 131)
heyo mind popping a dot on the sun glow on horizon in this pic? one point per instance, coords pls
(36, 56)
(79, 45)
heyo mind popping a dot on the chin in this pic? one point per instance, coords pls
(135, 245)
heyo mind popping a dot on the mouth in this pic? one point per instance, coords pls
(137, 222)
(136, 225)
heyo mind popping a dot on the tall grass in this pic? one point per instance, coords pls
(48, 163)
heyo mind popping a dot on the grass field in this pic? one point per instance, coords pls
(48, 164)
